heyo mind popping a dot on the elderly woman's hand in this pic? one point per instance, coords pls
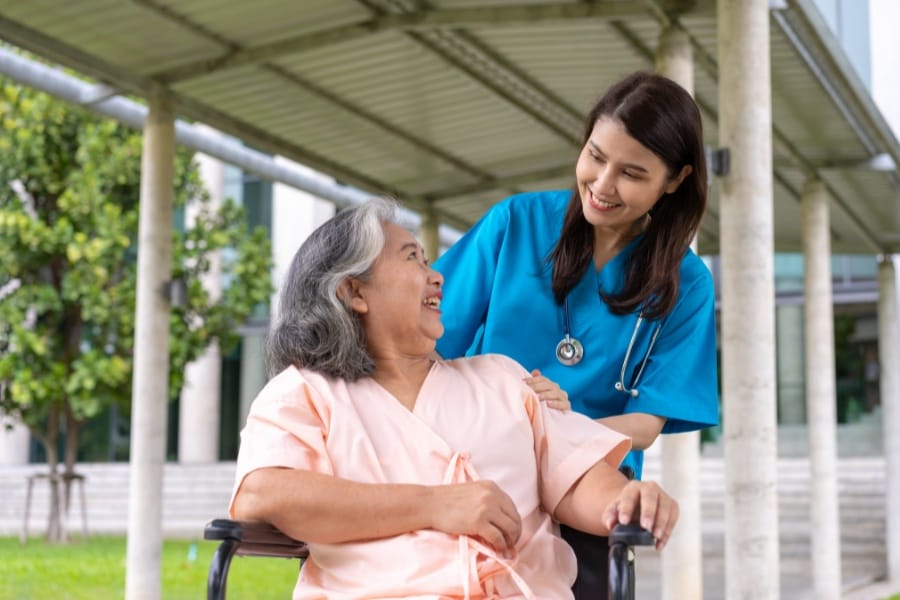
(548, 391)
(477, 509)
(657, 511)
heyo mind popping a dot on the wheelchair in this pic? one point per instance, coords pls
(244, 538)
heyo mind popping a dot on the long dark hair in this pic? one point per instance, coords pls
(663, 117)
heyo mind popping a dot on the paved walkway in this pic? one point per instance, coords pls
(859, 577)
(875, 591)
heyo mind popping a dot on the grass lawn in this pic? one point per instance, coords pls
(95, 570)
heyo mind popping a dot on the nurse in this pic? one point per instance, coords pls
(596, 287)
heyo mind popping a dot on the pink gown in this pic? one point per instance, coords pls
(474, 419)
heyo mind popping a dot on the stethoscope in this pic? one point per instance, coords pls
(569, 352)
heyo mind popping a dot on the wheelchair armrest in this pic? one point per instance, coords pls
(244, 538)
(255, 538)
(622, 540)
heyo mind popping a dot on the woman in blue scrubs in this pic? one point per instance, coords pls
(596, 287)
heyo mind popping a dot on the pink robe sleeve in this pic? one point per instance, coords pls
(567, 444)
(286, 427)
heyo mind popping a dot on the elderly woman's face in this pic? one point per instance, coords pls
(402, 301)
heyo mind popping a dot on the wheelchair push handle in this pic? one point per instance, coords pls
(622, 541)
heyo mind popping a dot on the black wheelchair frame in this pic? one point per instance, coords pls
(244, 538)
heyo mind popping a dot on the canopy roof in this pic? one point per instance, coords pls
(455, 104)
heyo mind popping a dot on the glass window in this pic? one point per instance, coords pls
(788, 272)
(862, 268)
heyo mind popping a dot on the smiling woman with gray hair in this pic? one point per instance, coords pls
(410, 476)
(314, 329)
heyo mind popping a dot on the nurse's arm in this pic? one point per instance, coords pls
(320, 508)
(642, 428)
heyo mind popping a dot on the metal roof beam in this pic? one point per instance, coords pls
(52, 49)
(880, 163)
(133, 114)
(709, 64)
(296, 80)
(422, 20)
(499, 183)
(482, 68)
(460, 50)
(795, 23)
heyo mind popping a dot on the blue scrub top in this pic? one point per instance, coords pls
(498, 299)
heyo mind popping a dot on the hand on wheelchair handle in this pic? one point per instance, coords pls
(631, 534)
(647, 505)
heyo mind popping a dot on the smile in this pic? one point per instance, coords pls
(601, 205)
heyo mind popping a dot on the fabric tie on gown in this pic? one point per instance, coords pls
(476, 558)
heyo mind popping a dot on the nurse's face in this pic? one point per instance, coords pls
(401, 302)
(619, 179)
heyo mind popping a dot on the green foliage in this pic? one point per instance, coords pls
(95, 569)
(69, 196)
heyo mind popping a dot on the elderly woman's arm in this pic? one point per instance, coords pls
(321, 508)
(603, 497)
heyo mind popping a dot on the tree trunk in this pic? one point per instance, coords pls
(73, 429)
(55, 531)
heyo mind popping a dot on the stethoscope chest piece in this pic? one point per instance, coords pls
(569, 351)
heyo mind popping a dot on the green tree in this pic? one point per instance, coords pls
(69, 195)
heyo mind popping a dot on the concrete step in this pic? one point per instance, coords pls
(192, 495)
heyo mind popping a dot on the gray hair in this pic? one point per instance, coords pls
(315, 328)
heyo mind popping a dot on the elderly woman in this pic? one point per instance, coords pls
(412, 477)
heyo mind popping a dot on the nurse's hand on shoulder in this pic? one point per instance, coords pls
(548, 391)
(647, 503)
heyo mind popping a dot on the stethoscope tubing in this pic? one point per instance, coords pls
(569, 352)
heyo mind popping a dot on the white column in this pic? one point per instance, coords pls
(820, 393)
(682, 559)
(253, 373)
(883, 16)
(14, 442)
(198, 413)
(294, 216)
(428, 233)
(789, 336)
(889, 358)
(151, 353)
(748, 295)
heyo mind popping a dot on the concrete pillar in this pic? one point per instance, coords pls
(889, 358)
(789, 336)
(14, 442)
(151, 353)
(253, 373)
(748, 297)
(821, 396)
(295, 214)
(682, 559)
(199, 408)
(428, 234)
